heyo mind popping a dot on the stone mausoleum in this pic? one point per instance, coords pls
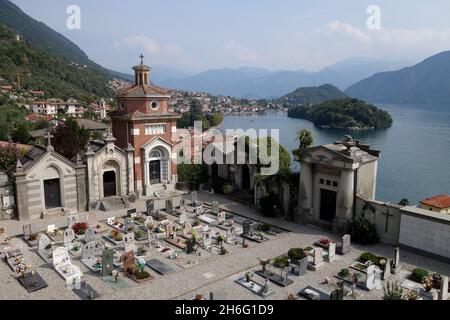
(331, 178)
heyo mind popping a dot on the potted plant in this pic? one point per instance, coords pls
(281, 262)
(344, 273)
(249, 275)
(419, 275)
(264, 263)
(298, 257)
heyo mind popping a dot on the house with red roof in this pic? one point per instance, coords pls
(440, 204)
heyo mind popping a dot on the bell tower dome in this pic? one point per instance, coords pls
(141, 73)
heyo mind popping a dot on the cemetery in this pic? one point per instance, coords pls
(164, 245)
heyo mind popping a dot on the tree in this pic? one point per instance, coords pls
(21, 135)
(89, 114)
(305, 141)
(69, 138)
(194, 174)
(404, 202)
(42, 124)
(9, 155)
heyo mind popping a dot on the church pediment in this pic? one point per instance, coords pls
(157, 141)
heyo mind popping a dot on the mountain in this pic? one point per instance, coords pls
(164, 73)
(40, 70)
(246, 82)
(312, 95)
(425, 82)
(40, 36)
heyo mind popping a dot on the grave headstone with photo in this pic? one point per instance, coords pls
(69, 236)
(246, 227)
(128, 242)
(221, 217)
(44, 242)
(91, 250)
(150, 205)
(107, 261)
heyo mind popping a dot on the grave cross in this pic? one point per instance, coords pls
(49, 137)
(388, 215)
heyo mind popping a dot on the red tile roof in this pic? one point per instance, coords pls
(441, 201)
(141, 90)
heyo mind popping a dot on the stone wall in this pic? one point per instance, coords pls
(386, 217)
(425, 232)
(7, 198)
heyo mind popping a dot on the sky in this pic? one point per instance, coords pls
(197, 35)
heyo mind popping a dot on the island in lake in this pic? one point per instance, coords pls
(346, 113)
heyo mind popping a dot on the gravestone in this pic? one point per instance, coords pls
(370, 283)
(107, 261)
(150, 204)
(91, 217)
(246, 227)
(345, 245)
(198, 210)
(221, 217)
(29, 229)
(71, 220)
(331, 251)
(230, 235)
(148, 221)
(387, 269)
(207, 239)
(190, 245)
(170, 231)
(69, 236)
(91, 250)
(89, 235)
(182, 218)
(265, 290)
(132, 213)
(129, 223)
(317, 259)
(194, 198)
(215, 207)
(396, 263)
(169, 206)
(111, 220)
(187, 228)
(337, 294)
(128, 242)
(443, 292)
(44, 242)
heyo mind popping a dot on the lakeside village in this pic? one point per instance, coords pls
(108, 213)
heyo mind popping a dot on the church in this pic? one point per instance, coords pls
(134, 160)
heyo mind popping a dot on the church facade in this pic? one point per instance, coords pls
(143, 121)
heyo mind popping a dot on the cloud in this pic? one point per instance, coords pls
(150, 45)
(241, 52)
(400, 37)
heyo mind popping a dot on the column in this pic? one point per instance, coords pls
(305, 197)
(21, 196)
(130, 169)
(345, 197)
(91, 194)
(146, 177)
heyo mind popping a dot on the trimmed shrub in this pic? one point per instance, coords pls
(419, 275)
(363, 231)
(297, 253)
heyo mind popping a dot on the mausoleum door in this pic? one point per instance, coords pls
(327, 205)
(52, 193)
(109, 184)
(245, 177)
(155, 171)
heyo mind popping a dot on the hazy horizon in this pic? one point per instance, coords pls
(293, 35)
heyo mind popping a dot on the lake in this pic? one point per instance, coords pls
(415, 151)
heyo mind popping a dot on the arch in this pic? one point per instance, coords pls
(52, 187)
(110, 178)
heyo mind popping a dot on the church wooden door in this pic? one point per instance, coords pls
(327, 205)
(52, 194)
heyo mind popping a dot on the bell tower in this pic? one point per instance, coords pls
(144, 122)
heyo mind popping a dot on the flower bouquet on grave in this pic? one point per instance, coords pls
(264, 263)
(115, 235)
(220, 238)
(428, 283)
(260, 234)
(32, 237)
(80, 228)
(142, 250)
